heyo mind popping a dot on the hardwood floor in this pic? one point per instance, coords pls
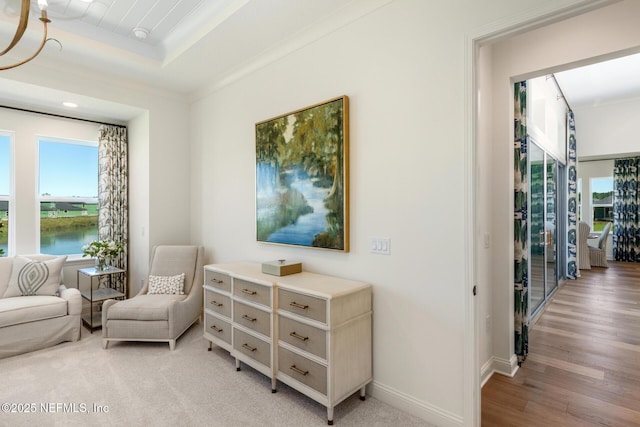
(583, 367)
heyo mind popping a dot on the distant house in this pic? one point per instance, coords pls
(57, 209)
(67, 209)
(603, 209)
(604, 201)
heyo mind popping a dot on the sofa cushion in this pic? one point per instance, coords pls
(144, 307)
(14, 311)
(30, 277)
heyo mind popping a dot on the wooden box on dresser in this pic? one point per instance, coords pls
(320, 333)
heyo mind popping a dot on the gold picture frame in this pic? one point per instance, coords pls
(302, 177)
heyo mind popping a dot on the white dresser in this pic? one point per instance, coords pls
(318, 340)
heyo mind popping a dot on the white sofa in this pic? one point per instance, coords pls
(33, 322)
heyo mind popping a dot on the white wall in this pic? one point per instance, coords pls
(608, 130)
(403, 68)
(484, 245)
(585, 38)
(547, 116)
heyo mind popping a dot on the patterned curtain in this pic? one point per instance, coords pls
(113, 199)
(626, 230)
(572, 199)
(520, 218)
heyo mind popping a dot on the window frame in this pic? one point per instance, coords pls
(11, 197)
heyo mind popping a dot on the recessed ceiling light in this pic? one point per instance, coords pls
(70, 104)
(140, 33)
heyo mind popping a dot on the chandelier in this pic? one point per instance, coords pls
(22, 26)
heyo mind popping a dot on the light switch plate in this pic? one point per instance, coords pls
(381, 245)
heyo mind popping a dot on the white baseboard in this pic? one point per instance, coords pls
(500, 366)
(413, 406)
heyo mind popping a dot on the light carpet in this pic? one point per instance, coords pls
(136, 384)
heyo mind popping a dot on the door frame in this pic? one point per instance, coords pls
(534, 17)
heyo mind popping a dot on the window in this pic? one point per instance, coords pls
(601, 202)
(5, 190)
(68, 189)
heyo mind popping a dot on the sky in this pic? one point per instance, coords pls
(4, 165)
(601, 185)
(66, 170)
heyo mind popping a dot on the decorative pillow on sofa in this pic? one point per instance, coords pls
(29, 277)
(168, 285)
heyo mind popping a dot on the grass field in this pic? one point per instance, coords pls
(599, 226)
(57, 224)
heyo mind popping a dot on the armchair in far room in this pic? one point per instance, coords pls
(168, 304)
(583, 248)
(598, 255)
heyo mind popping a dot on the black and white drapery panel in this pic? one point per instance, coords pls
(572, 198)
(521, 223)
(626, 203)
(113, 192)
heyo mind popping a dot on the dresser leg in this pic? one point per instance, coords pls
(273, 385)
(237, 365)
(210, 345)
(362, 393)
(330, 415)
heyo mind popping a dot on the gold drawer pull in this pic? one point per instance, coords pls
(248, 347)
(248, 292)
(300, 337)
(216, 303)
(296, 305)
(215, 328)
(214, 280)
(298, 370)
(250, 319)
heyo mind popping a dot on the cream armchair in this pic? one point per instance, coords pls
(163, 316)
(598, 254)
(584, 263)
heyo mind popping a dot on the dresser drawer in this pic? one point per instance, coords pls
(305, 337)
(253, 292)
(303, 305)
(217, 280)
(252, 318)
(217, 302)
(303, 370)
(253, 347)
(217, 328)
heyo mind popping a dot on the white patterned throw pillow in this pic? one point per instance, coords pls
(168, 285)
(30, 277)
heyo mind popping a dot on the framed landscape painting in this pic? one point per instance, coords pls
(302, 177)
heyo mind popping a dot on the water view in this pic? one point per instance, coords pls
(60, 236)
(67, 242)
(61, 242)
